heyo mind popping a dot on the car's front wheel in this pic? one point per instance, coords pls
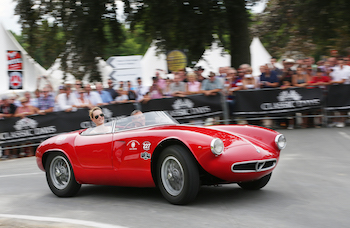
(60, 176)
(178, 175)
(257, 184)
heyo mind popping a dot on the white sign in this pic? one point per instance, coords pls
(126, 75)
(125, 62)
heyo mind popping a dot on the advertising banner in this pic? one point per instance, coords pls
(15, 79)
(338, 97)
(36, 128)
(187, 108)
(277, 101)
(14, 60)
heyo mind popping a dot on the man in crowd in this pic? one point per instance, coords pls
(105, 96)
(178, 87)
(93, 96)
(212, 85)
(46, 101)
(140, 90)
(67, 101)
(111, 89)
(7, 109)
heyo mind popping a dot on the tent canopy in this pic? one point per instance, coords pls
(31, 70)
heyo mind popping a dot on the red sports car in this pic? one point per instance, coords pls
(155, 150)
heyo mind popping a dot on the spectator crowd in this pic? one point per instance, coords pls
(290, 73)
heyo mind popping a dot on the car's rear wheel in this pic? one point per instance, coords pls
(60, 176)
(257, 184)
(178, 176)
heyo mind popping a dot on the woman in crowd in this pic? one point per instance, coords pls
(26, 109)
(249, 82)
(82, 100)
(192, 86)
(155, 91)
(301, 78)
(167, 90)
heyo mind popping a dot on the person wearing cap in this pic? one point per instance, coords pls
(7, 109)
(199, 71)
(212, 85)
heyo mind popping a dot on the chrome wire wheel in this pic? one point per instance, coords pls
(60, 172)
(172, 175)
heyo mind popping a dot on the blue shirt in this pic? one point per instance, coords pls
(105, 96)
(207, 84)
(272, 78)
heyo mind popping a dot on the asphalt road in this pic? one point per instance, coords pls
(309, 188)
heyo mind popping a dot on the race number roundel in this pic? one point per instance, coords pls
(15, 80)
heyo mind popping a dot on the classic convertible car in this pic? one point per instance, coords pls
(158, 151)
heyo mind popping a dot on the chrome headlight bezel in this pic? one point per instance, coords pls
(217, 146)
(281, 141)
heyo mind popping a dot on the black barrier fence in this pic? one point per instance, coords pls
(274, 103)
(36, 128)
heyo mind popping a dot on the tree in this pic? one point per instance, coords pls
(84, 24)
(189, 25)
(312, 27)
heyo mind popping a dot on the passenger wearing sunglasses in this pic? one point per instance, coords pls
(97, 116)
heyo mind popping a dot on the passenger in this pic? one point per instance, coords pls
(97, 116)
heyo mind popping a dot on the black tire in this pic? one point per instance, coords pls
(60, 176)
(178, 175)
(257, 184)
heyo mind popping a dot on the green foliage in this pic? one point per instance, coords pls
(189, 25)
(312, 27)
(82, 23)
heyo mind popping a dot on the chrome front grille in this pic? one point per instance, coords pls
(253, 166)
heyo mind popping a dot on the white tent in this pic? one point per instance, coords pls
(259, 56)
(151, 62)
(31, 70)
(214, 58)
(56, 74)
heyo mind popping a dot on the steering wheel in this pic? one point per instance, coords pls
(133, 124)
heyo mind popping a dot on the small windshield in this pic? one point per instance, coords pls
(102, 129)
(144, 120)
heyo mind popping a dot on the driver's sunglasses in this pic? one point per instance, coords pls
(102, 115)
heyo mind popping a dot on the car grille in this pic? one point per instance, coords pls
(253, 166)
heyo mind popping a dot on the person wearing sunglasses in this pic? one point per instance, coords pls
(97, 116)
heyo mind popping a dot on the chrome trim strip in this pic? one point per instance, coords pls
(258, 164)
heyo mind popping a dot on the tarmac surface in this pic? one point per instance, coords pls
(309, 188)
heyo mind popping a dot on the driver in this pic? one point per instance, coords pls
(97, 116)
(138, 119)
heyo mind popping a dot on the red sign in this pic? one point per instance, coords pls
(16, 79)
(14, 60)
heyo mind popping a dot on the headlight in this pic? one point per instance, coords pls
(217, 146)
(281, 141)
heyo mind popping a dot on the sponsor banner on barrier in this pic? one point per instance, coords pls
(277, 101)
(36, 128)
(338, 97)
(187, 108)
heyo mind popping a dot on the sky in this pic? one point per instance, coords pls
(10, 20)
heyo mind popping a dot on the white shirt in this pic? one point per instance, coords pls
(94, 98)
(141, 91)
(340, 74)
(66, 103)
